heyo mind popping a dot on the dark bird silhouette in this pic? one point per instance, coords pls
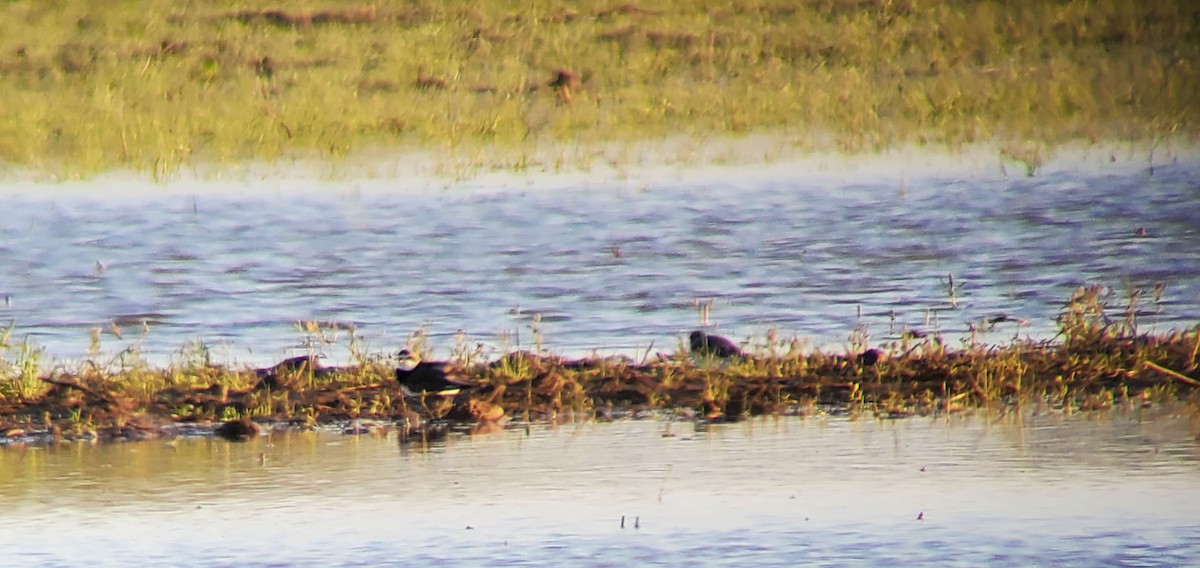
(869, 357)
(704, 344)
(419, 377)
(287, 372)
(293, 365)
(237, 430)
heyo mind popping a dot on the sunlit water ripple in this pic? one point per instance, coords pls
(1112, 489)
(613, 264)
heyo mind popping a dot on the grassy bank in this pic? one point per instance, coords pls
(155, 86)
(1099, 360)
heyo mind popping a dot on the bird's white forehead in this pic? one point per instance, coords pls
(408, 362)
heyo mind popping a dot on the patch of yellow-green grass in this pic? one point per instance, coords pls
(155, 86)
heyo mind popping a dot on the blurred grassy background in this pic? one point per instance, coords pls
(156, 85)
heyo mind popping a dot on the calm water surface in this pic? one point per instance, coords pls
(610, 263)
(1117, 489)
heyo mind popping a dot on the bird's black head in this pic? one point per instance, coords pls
(407, 361)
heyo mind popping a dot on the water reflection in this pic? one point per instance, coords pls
(612, 264)
(1112, 488)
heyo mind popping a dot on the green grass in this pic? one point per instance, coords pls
(155, 86)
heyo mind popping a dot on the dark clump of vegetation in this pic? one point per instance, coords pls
(157, 85)
(1097, 361)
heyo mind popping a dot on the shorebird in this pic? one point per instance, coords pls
(288, 372)
(419, 377)
(294, 365)
(707, 345)
(869, 357)
(237, 430)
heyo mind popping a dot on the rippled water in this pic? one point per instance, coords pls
(612, 263)
(1113, 489)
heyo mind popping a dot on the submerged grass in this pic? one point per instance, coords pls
(156, 86)
(1098, 360)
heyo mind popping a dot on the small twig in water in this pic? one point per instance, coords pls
(648, 349)
(666, 476)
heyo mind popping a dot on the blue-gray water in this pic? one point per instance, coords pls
(612, 263)
(1102, 489)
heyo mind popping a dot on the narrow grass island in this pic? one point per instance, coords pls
(1098, 361)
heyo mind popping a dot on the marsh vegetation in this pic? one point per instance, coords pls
(1098, 360)
(156, 86)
